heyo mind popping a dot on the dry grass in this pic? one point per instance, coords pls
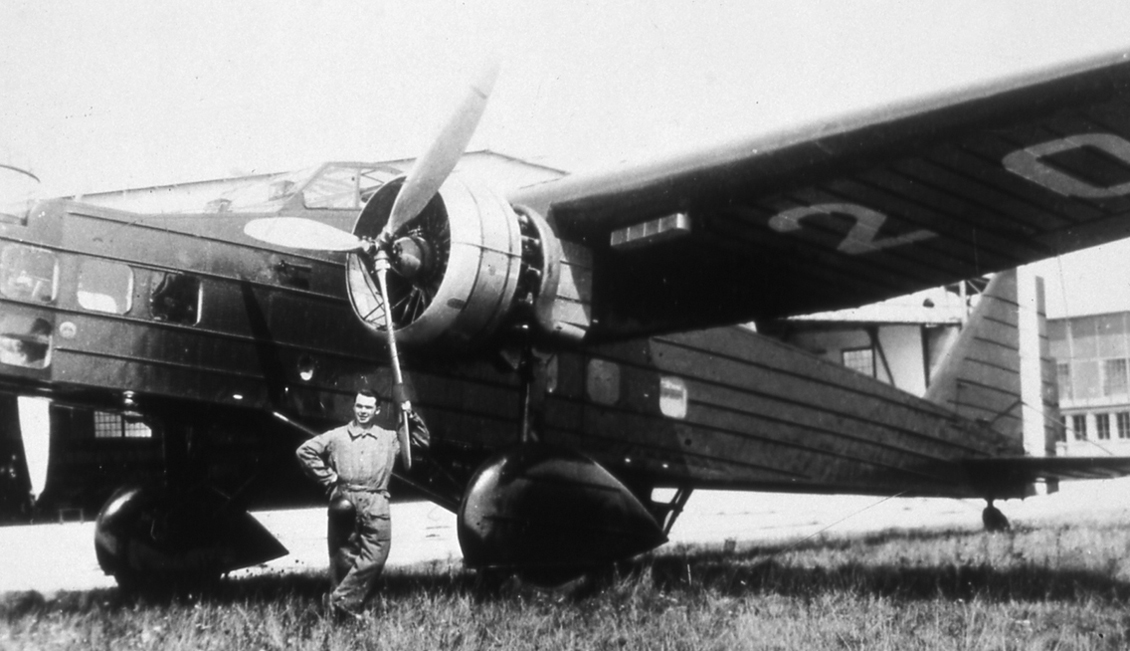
(1047, 588)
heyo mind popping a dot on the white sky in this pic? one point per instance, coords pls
(122, 94)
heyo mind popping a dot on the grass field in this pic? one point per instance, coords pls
(1056, 587)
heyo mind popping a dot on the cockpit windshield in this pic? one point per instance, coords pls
(340, 186)
(265, 193)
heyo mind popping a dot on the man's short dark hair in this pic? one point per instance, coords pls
(367, 392)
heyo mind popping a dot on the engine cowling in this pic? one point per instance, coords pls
(467, 267)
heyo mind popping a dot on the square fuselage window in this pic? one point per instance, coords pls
(175, 298)
(105, 286)
(28, 273)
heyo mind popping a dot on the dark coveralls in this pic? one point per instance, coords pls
(355, 463)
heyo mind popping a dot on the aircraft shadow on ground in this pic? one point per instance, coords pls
(760, 570)
(763, 570)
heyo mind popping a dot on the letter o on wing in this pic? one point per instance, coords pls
(1026, 163)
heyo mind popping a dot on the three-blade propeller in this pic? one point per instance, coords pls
(421, 183)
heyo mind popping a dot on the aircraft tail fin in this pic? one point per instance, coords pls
(999, 370)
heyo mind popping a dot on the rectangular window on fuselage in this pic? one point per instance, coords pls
(28, 273)
(105, 286)
(25, 341)
(175, 298)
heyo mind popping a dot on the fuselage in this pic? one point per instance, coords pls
(175, 315)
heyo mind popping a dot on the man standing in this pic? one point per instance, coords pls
(354, 464)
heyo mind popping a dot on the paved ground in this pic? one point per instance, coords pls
(52, 557)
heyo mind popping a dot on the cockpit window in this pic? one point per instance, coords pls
(346, 187)
(175, 298)
(25, 341)
(254, 194)
(105, 286)
(28, 273)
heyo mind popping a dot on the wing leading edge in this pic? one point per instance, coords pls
(857, 209)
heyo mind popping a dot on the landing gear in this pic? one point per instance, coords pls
(550, 515)
(151, 539)
(993, 519)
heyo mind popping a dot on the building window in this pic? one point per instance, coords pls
(1093, 357)
(1122, 419)
(1084, 337)
(1063, 375)
(1085, 376)
(1058, 345)
(113, 426)
(1102, 426)
(175, 298)
(1079, 426)
(1111, 335)
(1114, 378)
(861, 360)
(105, 286)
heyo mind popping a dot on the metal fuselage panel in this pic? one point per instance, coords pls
(753, 413)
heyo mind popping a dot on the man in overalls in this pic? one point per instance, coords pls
(354, 464)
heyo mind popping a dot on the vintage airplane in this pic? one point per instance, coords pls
(571, 344)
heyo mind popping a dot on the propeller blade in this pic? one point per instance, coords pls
(433, 167)
(299, 233)
(381, 267)
(35, 430)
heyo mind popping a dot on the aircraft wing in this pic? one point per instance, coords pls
(856, 209)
